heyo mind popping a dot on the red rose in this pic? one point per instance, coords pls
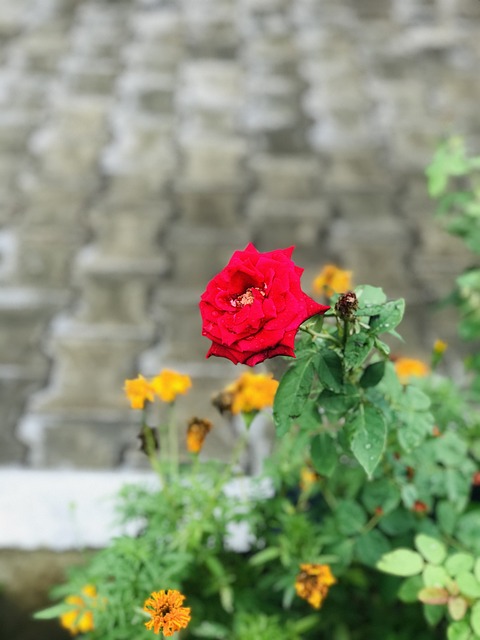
(252, 309)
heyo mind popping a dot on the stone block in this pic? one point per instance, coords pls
(147, 91)
(24, 314)
(76, 439)
(197, 254)
(210, 163)
(378, 254)
(215, 85)
(356, 170)
(283, 223)
(178, 315)
(116, 290)
(289, 177)
(366, 205)
(128, 231)
(16, 384)
(209, 208)
(45, 256)
(91, 365)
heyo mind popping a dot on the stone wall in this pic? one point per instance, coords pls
(143, 141)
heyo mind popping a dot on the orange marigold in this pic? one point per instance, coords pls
(313, 582)
(138, 391)
(167, 612)
(198, 429)
(169, 384)
(308, 477)
(80, 618)
(332, 279)
(252, 392)
(408, 368)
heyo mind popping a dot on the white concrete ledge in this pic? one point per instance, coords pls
(61, 510)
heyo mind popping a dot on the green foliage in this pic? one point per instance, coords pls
(371, 475)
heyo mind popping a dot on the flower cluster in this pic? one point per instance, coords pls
(167, 612)
(167, 385)
(79, 619)
(313, 583)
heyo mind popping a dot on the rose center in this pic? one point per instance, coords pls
(246, 298)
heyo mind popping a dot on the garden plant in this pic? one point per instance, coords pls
(363, 522)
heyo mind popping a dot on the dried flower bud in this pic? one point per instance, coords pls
(347, 305)
(148, 440)
(223, 401)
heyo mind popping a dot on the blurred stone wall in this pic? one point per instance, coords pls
(143, 141)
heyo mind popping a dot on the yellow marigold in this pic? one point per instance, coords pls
(308, 477)
(167, 612)
(313, 582)
(169, 384)
(80, 618)
(332, 280)
(252, 392)
(439, 347)
(138, 391)
(408, 368)
(198, 429)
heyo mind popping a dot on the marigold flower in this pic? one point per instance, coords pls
(198, 429)
(166, 611)
(439, 347)
(408, 368)
(80, 618)
(169, 384)
(332, 279)
(476, 479)
(138, 391)
(313, 582)
(252, 392)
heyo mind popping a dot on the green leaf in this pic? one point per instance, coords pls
(371, 546)
(475, 618)
(409, 589)
(431, 549)
(324, 454)
(476, 569)
(330, 370)
(468, 584)
(459, 631)
(52, 612)
(447, 516)
(292, 393)
(397, 522)
(389, 317)
(357, 348)
(383, 493)
(372, 374)
(459, 563)
(433, 613)
(457, 607)
(368, 295)
(401, 562)
(435, 576)
(349, 517)
(212, 631)
(264, 556)
(368, 437)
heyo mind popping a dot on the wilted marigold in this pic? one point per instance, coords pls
(252, 392)
(169, 384)
(167, 612)
(408, 368)
(313, 582)
(80, 618)
(138, 391)
(198, 429)
(332, 279)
